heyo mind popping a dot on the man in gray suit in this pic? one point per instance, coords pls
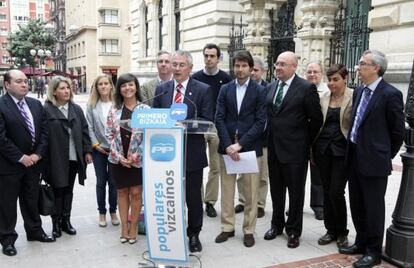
(164, 74)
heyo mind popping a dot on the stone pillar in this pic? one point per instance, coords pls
(315, 31)
(258, 29)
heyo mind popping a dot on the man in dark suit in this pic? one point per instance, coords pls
(377, 133)
(294, 119)
(183, 89)
(240, 121)
(258, 71)
(23, 143)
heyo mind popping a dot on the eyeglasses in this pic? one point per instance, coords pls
(362, 64)
(313, 72)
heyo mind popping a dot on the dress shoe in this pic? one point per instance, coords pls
(67, 227)
(367, 261)
(272, 233)
(224, 236)
(248, 240)
(123, 239)
(42, 238)
(351, 250)
(114, 219)
(102, 220)
(319, 215)
(57, 231)
(132, 240)
(239, 208)
(211, 211)
(326, 239)
(293, 241)
(342, 241)
(195, 244)
(260, 212)
(9, 250)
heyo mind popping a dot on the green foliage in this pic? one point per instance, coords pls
(30, 36)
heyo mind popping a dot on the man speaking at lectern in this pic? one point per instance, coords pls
(195, 94)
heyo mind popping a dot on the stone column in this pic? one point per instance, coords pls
(258, 29)
(315, 31)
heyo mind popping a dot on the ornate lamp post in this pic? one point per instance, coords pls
(399, 244)
(39, 55)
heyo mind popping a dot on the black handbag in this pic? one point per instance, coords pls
(46, 202)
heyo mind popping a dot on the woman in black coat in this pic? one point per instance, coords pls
(69, 150)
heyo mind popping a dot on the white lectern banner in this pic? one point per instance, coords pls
(163, 194)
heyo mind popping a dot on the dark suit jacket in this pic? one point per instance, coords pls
(198, 92)
(381, 132)
(15, 138)
(250, 122)
(294, 126)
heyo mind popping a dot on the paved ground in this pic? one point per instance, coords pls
(100, 247)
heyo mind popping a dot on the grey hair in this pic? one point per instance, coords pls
(259, 61)
(378, 58)
(317, 63)
(162, 52)
(184, 53)
(54, 84)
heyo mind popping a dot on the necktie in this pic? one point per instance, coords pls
(178, 95)
(26, 118)
(279, 96)
(366, 96)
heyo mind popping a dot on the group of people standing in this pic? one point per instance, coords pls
(347, 136)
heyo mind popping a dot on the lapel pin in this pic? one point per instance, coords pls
(190, 93)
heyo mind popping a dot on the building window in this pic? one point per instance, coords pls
(4, 59)
(109, 46)
(3, 3)
(177, 23)
(3, 17)
(109, 16)
(146, 31)
(160, 22)
(4, 32)
(4, 45)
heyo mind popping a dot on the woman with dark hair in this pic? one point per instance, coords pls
(125, 154)
(329, 153)
(99, 104)
(69, 150)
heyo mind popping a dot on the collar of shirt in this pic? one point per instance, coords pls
(210, 74)
(289, 81)
(184, 84)
(242, 86)
(159, 80)
(16, 100)
(374, 84)
(64, 107)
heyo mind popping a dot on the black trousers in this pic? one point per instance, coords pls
(193, 182)
(316, 189)
(366, 196)
(64, 195)
(290, 176)
(333, 176)
(25, 187)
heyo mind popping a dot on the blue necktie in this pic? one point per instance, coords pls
(366, 96)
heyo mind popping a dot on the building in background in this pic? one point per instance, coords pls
(58, 20)
(4, 34)
(97, 39)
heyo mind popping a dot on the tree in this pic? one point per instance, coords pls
(30, 36)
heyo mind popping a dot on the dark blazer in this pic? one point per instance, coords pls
(381, 132)
(58, 155)
(15, 138)
(198, 92)
(250, 122)
(294, 126)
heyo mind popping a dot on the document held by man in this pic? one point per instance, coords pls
(246, 164)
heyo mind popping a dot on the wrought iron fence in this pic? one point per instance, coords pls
(236, 41)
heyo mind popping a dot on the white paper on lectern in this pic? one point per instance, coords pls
(246, 164)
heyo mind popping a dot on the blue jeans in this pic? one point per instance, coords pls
(100, 162)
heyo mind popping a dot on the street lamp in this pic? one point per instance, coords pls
(39, 54)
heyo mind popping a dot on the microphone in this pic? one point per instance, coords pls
(195, 123)
(156, 96)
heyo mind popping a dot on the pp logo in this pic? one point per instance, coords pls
(178, 111)
(162, 147)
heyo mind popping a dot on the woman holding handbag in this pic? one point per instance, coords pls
(99, 104)
(125, 155)
(69, 150)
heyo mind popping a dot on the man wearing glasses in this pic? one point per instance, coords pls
(377, 133)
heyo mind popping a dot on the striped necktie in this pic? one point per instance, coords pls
(26, 118)
(178, 95)
(366, 96)
(279, 95)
